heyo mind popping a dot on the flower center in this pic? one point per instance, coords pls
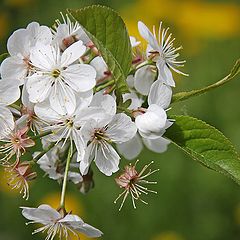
(99, 134)
(69, 123)
(56, 73)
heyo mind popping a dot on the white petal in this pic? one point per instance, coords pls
(80, 144)
(158, 145)
(6, 122)
(62, 99)
(121, 128)
(45, 112)
(86, 160)
(39, 33)
(107, 102)
(143, 79)
(14, 67)
(83, 100)
(107, 159)
(136, 101)
(100, 67)
(92, 113)
(76, 223)
(164, 73)
(75, 177)
(38, 87)
(19, 43)
(160, 94)
(152, 124)
(25, 99)
(132, 148)
(72, 53)
(80, 77)
(45, 57)
(134, 42)
(9, 91)
(130, 81)
(148, 36)
(43, 214)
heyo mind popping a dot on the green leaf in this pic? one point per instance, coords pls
(181, 96)
(109, 34)
(3, 56)
(205, 144)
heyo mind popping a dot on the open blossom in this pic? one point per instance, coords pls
(58, 224)
(20, 45)
(161, 50)
(68, 32)
(100, 135)
(57, 77)
(132, 182)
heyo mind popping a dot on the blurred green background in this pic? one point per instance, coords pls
(193, 203)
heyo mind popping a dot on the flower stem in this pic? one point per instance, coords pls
(125, 110)
(107, 84)
(41, 135)
(185, 95)
(64, 186)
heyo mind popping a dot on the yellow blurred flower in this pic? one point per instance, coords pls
(193, 20)
(73, 203)
(167, 236)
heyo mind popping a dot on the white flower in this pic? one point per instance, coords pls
(53, 164)
(55, 223)
(20, 45)
(57, 78)
(132, 148)
(68, 32)
(162, 51)
(153, 123)
(101, 134)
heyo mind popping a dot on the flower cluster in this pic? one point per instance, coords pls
(55, 86)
